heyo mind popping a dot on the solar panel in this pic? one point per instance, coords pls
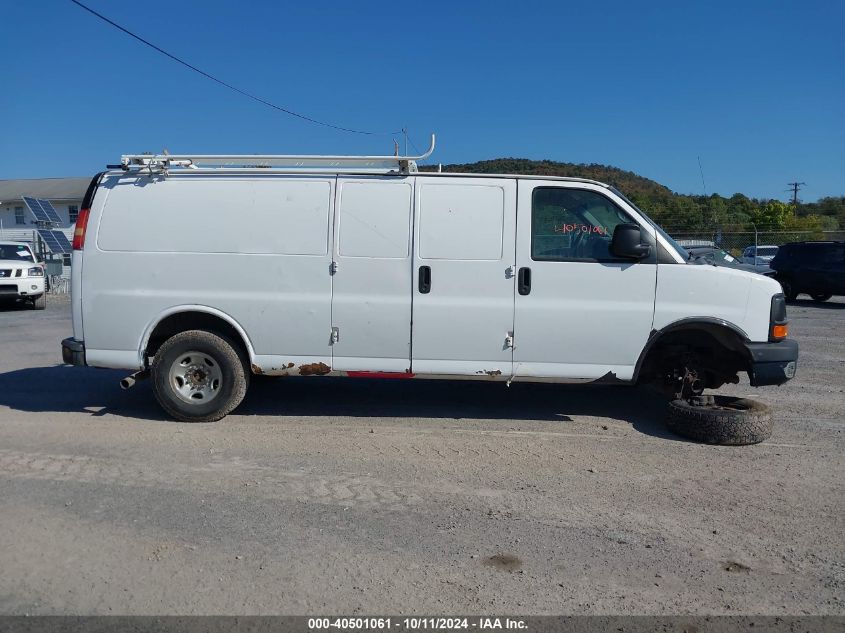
(56, 241)
(43, 210)
(63, 241)
(51, 212)
(37, 210)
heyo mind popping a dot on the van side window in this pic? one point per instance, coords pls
(573, 225)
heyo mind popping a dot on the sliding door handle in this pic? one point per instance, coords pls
(425, 280)
(523, 282)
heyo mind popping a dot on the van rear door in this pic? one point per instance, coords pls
(463, 284)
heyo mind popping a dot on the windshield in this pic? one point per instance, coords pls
(17, 252)
(678, 248)
(723, 255)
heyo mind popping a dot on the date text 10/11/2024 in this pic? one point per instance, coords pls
(415, 624)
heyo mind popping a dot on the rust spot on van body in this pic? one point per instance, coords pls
(314, 369)
(256, 369)
(490, 372)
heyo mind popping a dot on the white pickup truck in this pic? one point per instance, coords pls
(203, 270)
(21, 276)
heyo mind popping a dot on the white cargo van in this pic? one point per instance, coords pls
(203, 270)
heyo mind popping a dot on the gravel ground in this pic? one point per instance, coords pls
(325, 495)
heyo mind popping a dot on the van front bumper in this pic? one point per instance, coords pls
(73, 352)
(772, 363)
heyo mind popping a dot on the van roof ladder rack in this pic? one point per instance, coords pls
(216, 163)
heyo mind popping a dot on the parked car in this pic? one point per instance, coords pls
(720, 257)
(21, 275)
(759, 254)
(200, 273)
(814, 268)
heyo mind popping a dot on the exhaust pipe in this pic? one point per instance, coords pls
(129, 381)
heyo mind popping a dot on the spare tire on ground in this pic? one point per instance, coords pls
(720, 420)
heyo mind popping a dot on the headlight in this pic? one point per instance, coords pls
(36, 271)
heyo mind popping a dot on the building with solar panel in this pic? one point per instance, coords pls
(27, 222)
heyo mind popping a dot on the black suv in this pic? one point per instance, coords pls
(815, 268)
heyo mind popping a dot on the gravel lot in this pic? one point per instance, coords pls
(324, 495)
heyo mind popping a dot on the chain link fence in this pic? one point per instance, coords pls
(736, 241)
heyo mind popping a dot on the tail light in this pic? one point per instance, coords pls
(79, 231)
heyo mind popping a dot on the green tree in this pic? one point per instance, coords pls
(772, 215)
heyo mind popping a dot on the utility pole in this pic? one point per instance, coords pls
(794, 187)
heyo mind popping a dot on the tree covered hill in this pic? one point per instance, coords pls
(626, 181)
(679, 212)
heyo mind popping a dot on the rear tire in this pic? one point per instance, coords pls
(199, 376)
(821, 298)
(789, 290)
(729, 421)
(40, 302)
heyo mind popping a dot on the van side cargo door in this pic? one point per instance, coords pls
(371, 278)
(463, 284)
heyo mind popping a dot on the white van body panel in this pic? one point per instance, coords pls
(76, 295)
(465, 231)
(194, 308)
(254, 249)
(739, 298)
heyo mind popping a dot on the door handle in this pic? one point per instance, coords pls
(425, 280)
(523, 282)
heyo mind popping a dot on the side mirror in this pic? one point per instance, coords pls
(627, 242)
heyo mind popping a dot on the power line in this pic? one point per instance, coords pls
(414, 145)
(223, 83)
(794, 187)
(701, 170)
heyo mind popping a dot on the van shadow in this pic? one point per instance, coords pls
(63, 389)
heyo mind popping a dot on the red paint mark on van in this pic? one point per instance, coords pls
(379, 374)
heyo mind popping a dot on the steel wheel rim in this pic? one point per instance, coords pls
(195, 377)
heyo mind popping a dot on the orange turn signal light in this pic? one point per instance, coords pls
(780, 331)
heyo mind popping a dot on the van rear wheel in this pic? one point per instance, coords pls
(199, 376)
(821, 297)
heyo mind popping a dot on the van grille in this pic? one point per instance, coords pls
(5, 272)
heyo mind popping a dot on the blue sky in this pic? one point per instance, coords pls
(756, 89)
